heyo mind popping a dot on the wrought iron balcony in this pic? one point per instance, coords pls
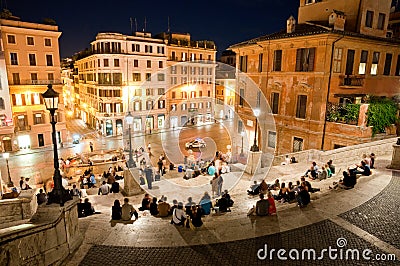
(351, 81)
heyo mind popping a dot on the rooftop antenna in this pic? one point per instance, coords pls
(145, 24)
(135, 25)
(169, 29)
(131, 25)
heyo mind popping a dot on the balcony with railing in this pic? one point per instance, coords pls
(351, 81)
(35, 82)
(21, 128)
(105, 115)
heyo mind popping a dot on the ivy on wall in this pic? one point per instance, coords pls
(382, 113)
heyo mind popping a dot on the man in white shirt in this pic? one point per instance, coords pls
(178, 215)
(104, 189)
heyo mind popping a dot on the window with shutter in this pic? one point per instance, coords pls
(241, 97)
(298, 60)
(260, 62)
(14, 100)
(301, 106)
(275, 103)
(363, 62)
(375, 61)
(398, 66)
(305, 59)
(271, 139)
(243, 63)
(350, 62)
(337, 60)
(277, 60)
(310, 59)
(297, 144)
(388, 64)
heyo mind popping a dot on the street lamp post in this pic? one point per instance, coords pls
(241, 150)
(255, 147)
(58, 194)
(129, 121)
(6, 155)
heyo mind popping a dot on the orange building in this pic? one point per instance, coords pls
(32, 61)
(337, 54)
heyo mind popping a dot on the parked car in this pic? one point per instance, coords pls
(197, 143)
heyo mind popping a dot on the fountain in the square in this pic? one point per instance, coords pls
(102, 157)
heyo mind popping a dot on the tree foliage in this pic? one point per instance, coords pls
(382, 113)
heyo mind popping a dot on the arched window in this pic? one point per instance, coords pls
(2, 105)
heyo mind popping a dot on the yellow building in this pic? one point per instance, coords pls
(32, 60)
(337, 54)
(191, 79)
(6, 121)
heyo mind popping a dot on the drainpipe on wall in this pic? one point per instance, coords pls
(329, 89)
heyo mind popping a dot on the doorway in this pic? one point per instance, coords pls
(40, 140)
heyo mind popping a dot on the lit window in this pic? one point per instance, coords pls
(36, 98)
(375, 61)
(363, 62)
(137, 106)
(18, 99)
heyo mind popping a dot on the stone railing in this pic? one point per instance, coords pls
(342, 155)
(18, 209)
(50, 236)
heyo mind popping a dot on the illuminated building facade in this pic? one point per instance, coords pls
(190, 79)
(337, 54)
(123, 73)
(32, 60)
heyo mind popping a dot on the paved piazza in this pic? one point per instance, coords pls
(362, 219)
(237, 252)
(380, 216)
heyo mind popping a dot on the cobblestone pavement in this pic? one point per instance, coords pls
(380, 215)
(245, 251)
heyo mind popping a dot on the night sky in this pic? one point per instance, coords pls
(224, 21)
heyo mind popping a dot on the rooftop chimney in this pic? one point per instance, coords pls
(290, 25)
(337, 19)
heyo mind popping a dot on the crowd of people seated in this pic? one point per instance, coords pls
(327, 170)
(349, 179)
(189, 214)
(300, 192)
